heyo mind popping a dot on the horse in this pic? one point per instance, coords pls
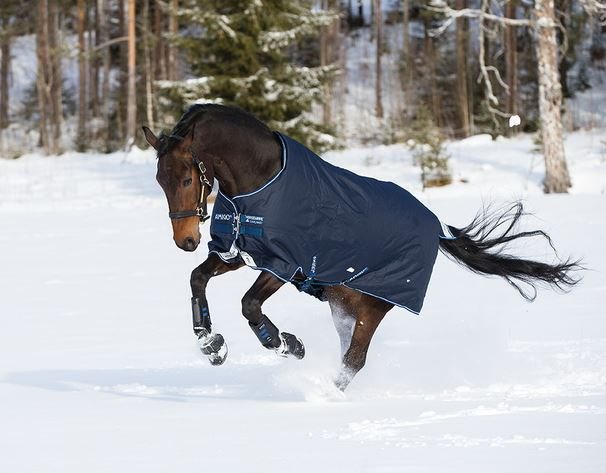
(225, 144)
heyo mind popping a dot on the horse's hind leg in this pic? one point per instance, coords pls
(368, 312)
(211, 344)
(344, 323)
(268, 334)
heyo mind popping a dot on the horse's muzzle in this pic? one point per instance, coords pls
(189, 244)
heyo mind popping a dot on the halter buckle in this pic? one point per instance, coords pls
(203, 178)
(202, 214)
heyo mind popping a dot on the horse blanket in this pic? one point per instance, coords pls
(317, 225)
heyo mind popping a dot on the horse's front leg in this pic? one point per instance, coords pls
(211, 344)
(268, 334)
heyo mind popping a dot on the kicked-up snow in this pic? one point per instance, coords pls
(99, 371)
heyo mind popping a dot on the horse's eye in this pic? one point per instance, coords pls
(187, 182)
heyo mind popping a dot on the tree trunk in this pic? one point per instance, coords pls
(5, 51)
(42, 72)
(149, 74)
(511, 60)
(462, 92)
(81, 138)
(173, 28)
(564, 12)
(118, 130)
(105, 53)
(329, 54)
(131, 104)
(378, 17)
(324, 61)
(408, 61)
(430, 61)
(93, 60)
(158, 58)
(557, 178)
(56, 77)
(361, 12)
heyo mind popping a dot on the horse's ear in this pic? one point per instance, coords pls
(151, 138)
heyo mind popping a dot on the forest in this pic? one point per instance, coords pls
(475, 130)
(93, 71)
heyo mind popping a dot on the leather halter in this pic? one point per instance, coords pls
(200, 210)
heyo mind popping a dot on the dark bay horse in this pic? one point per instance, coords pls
(214, 142)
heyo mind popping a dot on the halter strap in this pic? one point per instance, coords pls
(200, 211)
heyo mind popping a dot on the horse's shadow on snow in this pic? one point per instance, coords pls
(171, 384)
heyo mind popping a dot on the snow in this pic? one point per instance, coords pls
(99, 370)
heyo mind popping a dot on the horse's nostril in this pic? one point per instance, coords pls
(189, 244)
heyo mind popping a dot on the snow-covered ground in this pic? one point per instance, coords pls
(99, 371)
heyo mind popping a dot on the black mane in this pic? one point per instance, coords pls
(196, 112)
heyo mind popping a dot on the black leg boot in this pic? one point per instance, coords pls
(285, 344)
(211, 344)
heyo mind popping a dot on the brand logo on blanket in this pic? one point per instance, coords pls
(224, 217)
(254, 219)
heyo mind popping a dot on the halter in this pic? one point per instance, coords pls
(200, 210)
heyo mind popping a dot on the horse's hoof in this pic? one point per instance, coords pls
(291, 346)
(343, 379)
(341, 383)
(213, 346)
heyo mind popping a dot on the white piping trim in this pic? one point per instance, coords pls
(446, 232)
(259, 268)
(219, 255)
(229, 200)
(383, 299)
(273, 178)
(296, 271)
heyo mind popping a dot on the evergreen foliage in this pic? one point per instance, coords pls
(427, 145)
(264, 56)
(239, 52)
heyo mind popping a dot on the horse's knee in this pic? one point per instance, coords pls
(251, 308)
(198, 279)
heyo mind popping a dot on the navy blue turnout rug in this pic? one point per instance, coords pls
(329, 226)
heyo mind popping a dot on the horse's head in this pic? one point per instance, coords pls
(186, 184)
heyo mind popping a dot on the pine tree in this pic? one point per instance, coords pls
(427, 145)
(238, 53)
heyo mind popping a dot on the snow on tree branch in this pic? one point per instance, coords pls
(212, 21)
(595, 8)
(190, 89)
(307, 25)
(451, 15)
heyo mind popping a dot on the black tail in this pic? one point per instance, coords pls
(480, 246)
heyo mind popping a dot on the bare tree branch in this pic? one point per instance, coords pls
(453, 14)
(492, 102)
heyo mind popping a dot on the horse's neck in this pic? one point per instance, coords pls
(245, 168)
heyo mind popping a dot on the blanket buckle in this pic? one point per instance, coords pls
(237, 224)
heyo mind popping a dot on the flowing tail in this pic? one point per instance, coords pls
(481, 246)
